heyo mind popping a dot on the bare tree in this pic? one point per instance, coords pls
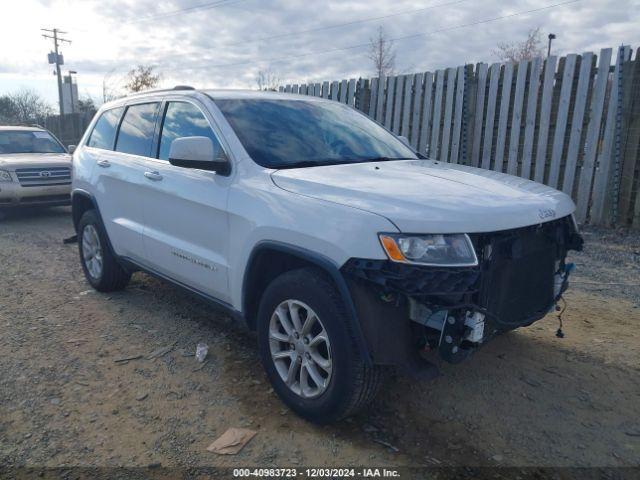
(267, 80)
(8, 111)
(23, 107)
(111, 86)
(382, 53)
(143, 77)
(514, 52)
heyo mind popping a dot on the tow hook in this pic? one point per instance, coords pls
(461, 332)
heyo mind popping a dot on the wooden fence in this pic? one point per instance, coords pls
(572, 122)
(69, 128)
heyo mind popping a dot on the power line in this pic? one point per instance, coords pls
(160, 16)
(326, 27)
(361, 45)
(338, 25)
(180, 11)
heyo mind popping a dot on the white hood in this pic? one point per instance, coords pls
(423, 196)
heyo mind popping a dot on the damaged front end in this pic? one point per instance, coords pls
(407, 309)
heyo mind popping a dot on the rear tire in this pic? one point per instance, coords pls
(100, 266)
(346, 382)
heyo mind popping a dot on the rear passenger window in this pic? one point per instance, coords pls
(104, 133)
(136, 131)
(183, 119)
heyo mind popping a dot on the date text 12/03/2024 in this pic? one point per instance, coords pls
(317, 473)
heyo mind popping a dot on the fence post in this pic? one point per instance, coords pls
(448, 112)
(406, 106)
(380, 100)
(457, 138)
(501, 139)
(418, 88)
(434, 147)
(490, 116)
(593, 135)
(388, 104)
(516, 119)
(423, 144)
(631, 140)
(468, 105)
(577, 123)
(362, 95)
(603, 188)
(482, 70)
(530, 122)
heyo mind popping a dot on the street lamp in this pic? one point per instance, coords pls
(552, 37)
(69, 73)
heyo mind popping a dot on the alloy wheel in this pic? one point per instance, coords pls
(92, 251)
(300, 348)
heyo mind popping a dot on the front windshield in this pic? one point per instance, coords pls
(28, 141)
(297, 133)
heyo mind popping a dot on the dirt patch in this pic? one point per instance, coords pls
(69, 396)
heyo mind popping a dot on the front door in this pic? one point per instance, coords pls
(185, 234)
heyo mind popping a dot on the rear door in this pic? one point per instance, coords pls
(186, 231)
(120, 174)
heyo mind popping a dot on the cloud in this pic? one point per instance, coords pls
(220, 46)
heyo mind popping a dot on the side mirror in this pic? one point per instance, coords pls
(71, 149)
(198, 152)
(404, 140)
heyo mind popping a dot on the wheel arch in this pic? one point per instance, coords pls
(81, 201)
(270, 259)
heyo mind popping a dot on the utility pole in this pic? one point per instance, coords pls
(57, 58)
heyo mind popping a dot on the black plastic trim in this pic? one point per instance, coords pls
(325, 264)
(87, 195)
(226, 307)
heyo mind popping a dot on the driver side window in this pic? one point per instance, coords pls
(183, 119)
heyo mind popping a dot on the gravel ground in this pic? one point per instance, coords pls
(526, 399)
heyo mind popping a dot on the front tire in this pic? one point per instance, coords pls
(308, 350)
(100, 266)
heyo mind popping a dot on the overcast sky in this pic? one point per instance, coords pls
(199, 43)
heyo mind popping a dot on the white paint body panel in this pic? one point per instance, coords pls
(200, 228)
(423, 196)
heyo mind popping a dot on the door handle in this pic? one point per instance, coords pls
(104, 163)
(155, 176)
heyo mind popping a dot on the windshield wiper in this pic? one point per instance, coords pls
(314, 163)
(344, 161)
(385, 159)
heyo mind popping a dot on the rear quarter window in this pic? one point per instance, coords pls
(104, 133)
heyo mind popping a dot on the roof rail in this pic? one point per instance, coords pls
(30, 125)
(160, 90)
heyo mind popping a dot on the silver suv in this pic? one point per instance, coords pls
(35, 168)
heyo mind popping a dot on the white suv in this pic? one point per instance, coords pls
(344, 249)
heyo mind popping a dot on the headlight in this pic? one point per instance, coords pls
(5, 176)
(450, 250)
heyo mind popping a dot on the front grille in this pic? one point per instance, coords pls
(518, 272)
(513, 283)
(46, 198)
(41, 177)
